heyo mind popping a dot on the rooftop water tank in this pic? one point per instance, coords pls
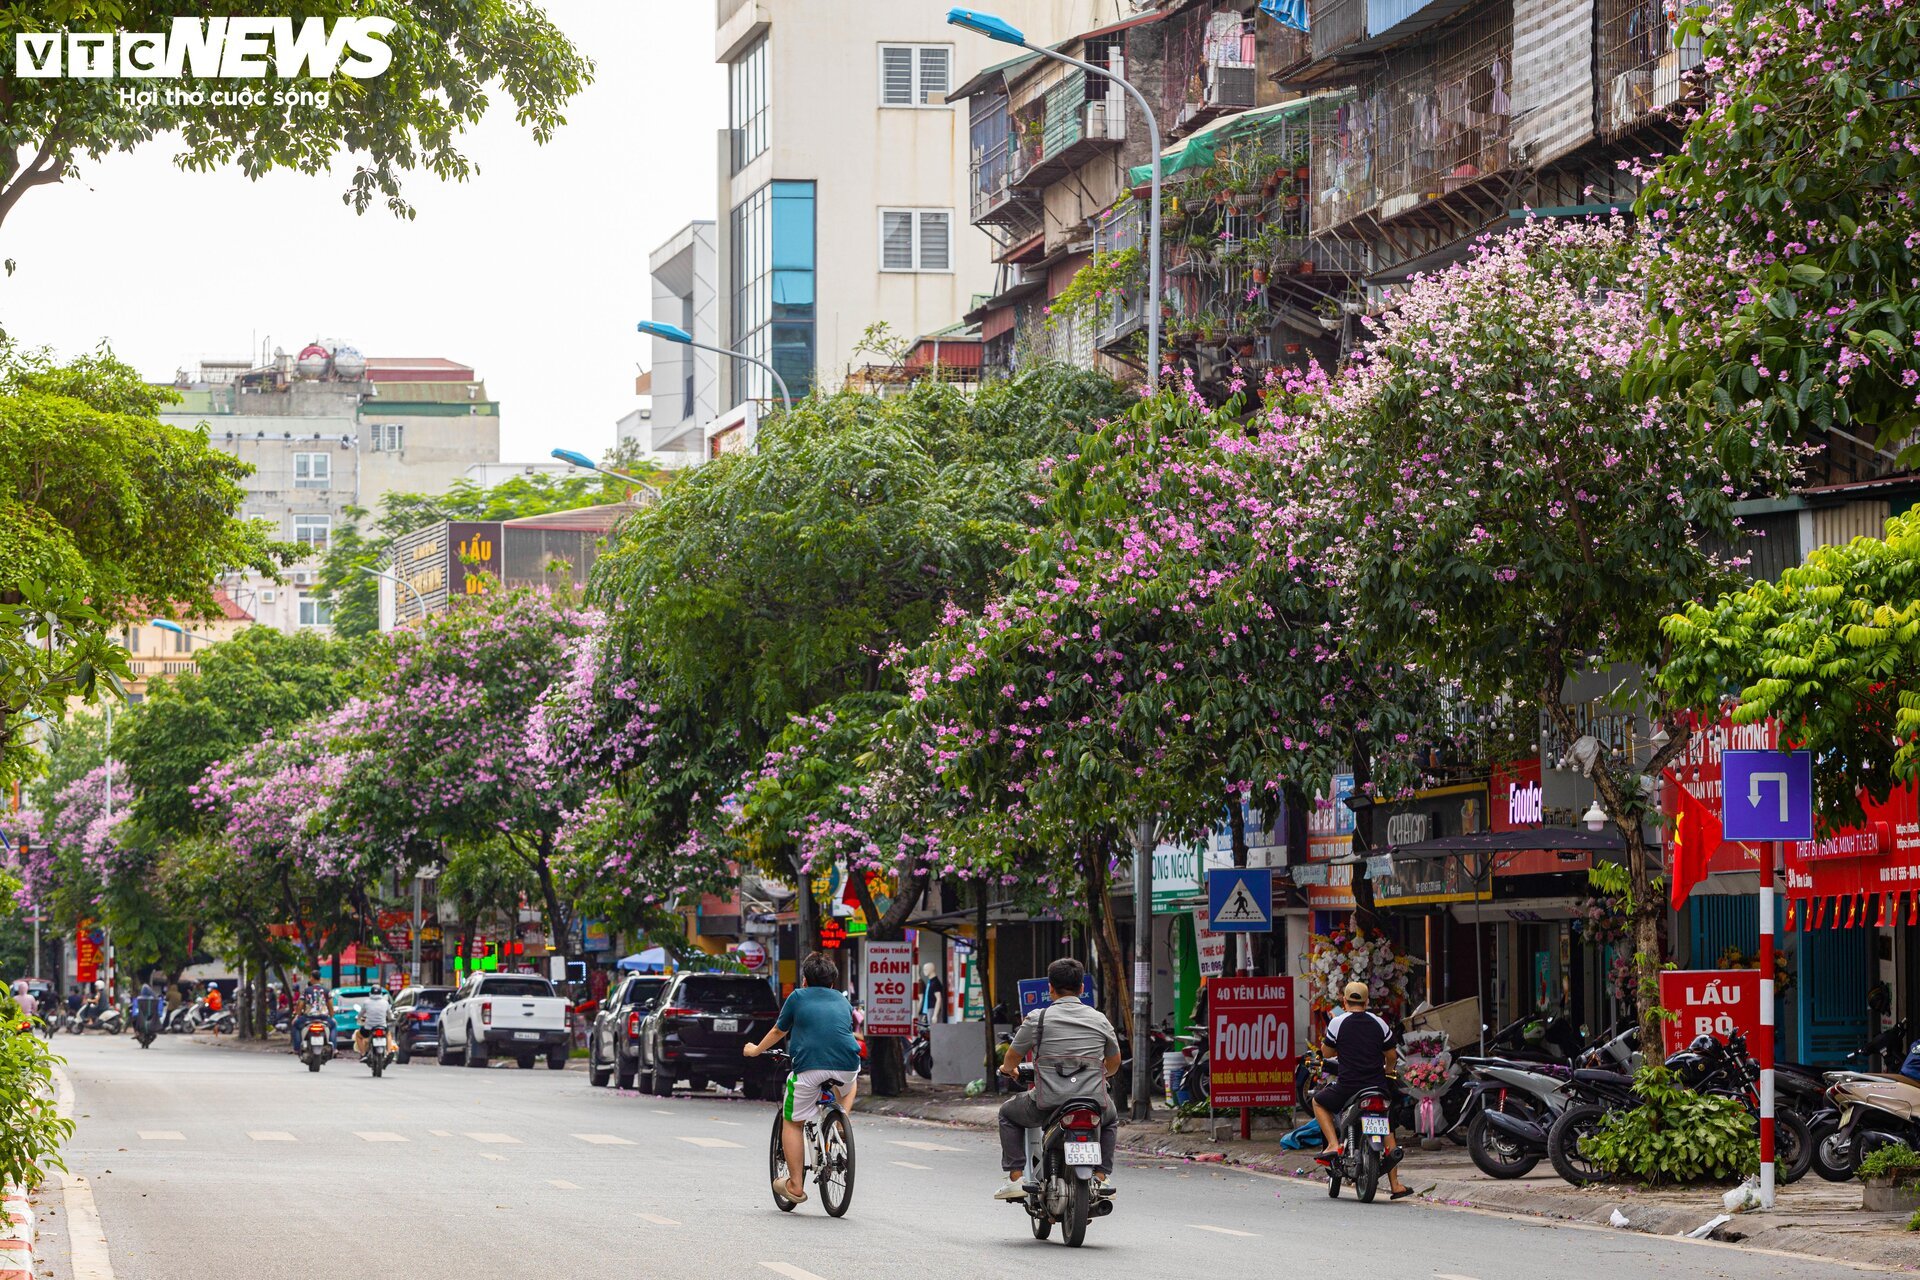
(313, 360)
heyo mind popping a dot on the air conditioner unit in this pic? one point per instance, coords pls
(1231, 86)
(305, 577)
(1106, 120)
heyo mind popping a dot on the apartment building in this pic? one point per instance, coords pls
(161, 652)
(685, 382)
(842, 173)
(326, 429)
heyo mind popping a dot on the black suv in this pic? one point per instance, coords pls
(699, 1028)
(613, 1052)
(416, 1020)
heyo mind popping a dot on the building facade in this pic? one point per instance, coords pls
(685, 381)
(842, 173)
(327, 430)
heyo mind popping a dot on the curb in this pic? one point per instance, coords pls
(1775, 1232)
(16, 1236)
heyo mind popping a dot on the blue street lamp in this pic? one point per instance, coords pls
(581, 460)
(674, 333)
(1006, 33)
(178, 630)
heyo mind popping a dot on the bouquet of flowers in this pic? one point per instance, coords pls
(1424, 1077)
(1356, 955)
(1426, 1071)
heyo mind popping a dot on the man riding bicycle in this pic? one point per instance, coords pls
(825, 1053)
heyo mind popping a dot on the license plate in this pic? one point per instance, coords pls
(726, 1024)
(1079, 1153)
(1375, 1124)
(526, 1035)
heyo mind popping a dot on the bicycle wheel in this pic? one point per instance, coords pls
(835, 1178)
(777, 1163)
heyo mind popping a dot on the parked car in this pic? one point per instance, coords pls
(416, 1020)
(613, 1050)
(515, 1015)
(346, 1014)
(698, 1030)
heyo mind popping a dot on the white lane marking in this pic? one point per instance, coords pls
(269, 1135)
(660, 1111)
(441, 1133)
(488, 1155)
(1225, 1231)
(711, 1142)
(922, 1146)
(495, 1138)
(925, 1168)
(731, 1124)
(1448, 1275)
(163, 1135)
(378, 1136)
(659, 1221)
(86, 1242)
(563, 1184)
(604, 1139)
(790, 1271)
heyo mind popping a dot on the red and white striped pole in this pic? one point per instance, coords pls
(1764, 1046)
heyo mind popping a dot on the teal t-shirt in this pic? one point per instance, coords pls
(819, 1026)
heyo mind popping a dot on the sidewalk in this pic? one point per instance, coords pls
(1812, 1217)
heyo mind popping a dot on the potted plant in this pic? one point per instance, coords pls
(1260, 273)
(1892, 1178)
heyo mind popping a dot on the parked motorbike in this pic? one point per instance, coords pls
(1875, 1111)
(1363, 1128)
(377, 1052)
(1061, 1159)
(920, 1050)
(316, 1043)
(1724, 1068)
(1513, 1105)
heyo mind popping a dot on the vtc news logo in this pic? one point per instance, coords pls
(210, 48)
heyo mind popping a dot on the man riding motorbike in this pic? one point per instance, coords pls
(820, 1020)
(1365, 1048)
(1078, 1052)
(146, 1011)
(374, 1012)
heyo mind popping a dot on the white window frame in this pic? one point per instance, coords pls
(919, 266)
(918, 91)
(388, 437)
(316, 604)
(318, 476)
(306, 523)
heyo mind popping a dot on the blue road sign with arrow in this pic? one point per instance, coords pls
(1767, 795)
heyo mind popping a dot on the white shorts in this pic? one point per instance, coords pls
(802, 1101)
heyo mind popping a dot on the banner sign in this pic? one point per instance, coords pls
(889, 988)
(89, 948)
(1211, 946)
(1250, 1029)
(1710, 1002)
(1037, 994)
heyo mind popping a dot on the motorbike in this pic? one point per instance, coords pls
(316, 1043)
(1727, 1070)
(1875, 1111)
(1363, 1128)
(377, 1051)
(1513, 1103)
(920, 1050)
(1061, 1159)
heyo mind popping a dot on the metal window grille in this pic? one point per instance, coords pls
(914, 75)
(1642, 70)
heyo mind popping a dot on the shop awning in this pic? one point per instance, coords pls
(1525, 840)
(1197, 149)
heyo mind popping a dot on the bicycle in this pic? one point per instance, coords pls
(828, 1145)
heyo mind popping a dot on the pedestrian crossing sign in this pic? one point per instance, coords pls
(1240, 900)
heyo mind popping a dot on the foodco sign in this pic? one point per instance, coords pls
(1252, 1041)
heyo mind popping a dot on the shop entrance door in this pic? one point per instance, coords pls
(1834, 976)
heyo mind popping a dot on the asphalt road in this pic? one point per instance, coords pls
(206, 1160)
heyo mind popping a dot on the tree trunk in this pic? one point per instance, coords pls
(559, 927)
(1099, 897)
(1365, 914)
(1144, 840)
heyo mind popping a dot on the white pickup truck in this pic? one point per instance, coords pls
(512, 1015)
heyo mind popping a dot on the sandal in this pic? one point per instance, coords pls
(780, 1189)
(1401, 1194)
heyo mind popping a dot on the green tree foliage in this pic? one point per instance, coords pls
(261, 680)
(104, 512)
(1831, 651)
(1794, 231)
(449, 58)
(1675, 1135)
(31, 1130)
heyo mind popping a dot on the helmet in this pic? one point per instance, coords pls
(1702, 1044)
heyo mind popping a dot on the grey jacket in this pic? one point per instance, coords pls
(1074, 1042)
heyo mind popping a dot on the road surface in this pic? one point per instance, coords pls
(205, 1160)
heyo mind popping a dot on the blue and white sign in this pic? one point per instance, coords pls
(1240, 900)
(1767, 795)
(1037, 993)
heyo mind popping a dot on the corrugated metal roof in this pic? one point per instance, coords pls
(429, 393)
(588, 519)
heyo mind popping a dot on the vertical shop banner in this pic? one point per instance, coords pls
(889, 988)
(1710, 1002)
(1251, 1032)
(1210, 946)
(89, 947)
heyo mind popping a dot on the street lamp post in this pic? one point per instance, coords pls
(575, 458)
(674, 333)
(418, 599)
(179, 630)
(1006, 33)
